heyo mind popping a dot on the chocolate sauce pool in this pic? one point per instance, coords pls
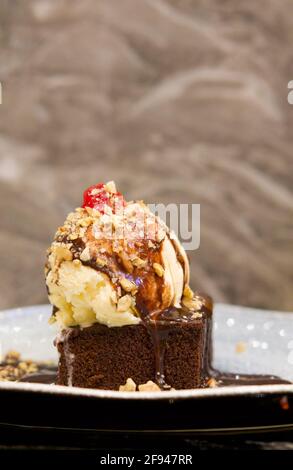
(43, 376)
(223, 379)
(160, 324)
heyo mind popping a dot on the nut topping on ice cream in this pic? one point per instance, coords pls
(114, 262)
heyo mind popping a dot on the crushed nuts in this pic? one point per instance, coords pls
(139, 263)
(62, 253)
(124, 303)
(85, 255)
(73, 236)
(76, 263)
(149, 387)
(188, 293)
(127, 285)
(192, 304)
(100, 262)
(111, 187)
(212, 383)
(12, 357)
(13, 369)
(126, 262)
(159, 270)
(241, 347)
(130, 386)
(196, 315)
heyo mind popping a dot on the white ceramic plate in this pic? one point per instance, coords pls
(246, 341)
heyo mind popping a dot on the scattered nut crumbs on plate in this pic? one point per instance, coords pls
(130, 386)
(13, 368)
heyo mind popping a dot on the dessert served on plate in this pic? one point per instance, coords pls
(118, 280)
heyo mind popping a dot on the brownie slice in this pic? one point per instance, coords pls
(104, 358)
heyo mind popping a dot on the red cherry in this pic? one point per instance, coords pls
(97, 198)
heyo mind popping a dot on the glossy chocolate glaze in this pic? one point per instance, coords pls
(43, 376)
(161, 323)
(224, 379)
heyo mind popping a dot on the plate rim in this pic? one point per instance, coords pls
(229, 391)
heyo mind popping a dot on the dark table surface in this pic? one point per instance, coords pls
(13, 438)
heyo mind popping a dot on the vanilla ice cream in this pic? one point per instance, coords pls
(113, 262)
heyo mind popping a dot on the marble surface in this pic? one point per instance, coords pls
(178, 101)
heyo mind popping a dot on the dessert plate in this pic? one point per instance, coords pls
(246, 341)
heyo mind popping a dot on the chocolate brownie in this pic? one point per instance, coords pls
(104, 358)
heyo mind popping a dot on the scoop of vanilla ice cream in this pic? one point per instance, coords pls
(93, 278)
(84, 296)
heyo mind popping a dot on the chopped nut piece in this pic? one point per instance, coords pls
(127, 285)
(192, 304)
(196, 315)
(13, 369)
(241, 347)
(212, 383)
(124, 303)
(85, 255)
(85, 222)
(139, 263)
(32, 368)
(111, 187)
(149, 387)
(73, 236)
(71, 216)
(116, 247)
(100, 262)
(62, 253)
(77, 263)
(92, 212)
(130, 386)
(159, 270)
(12, 357)
(126, 262)
(188, 293)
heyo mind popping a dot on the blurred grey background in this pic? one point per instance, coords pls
(176, 100)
